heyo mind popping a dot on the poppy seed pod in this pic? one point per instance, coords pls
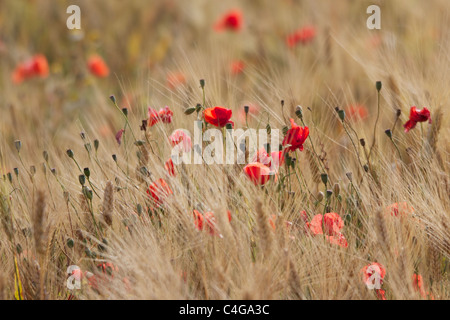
(378, 85)
(320, 196)
(96, 144)
(229, 126)
(202, 83)
(324, 178)
(16, 171)
(337, 189)
(125, 111)
(246, 109)
(18, 145)
(53, 170)
(70, 153)
(362, 142)
(329, 193)
(87, 172)
(388, 133)
(299, 112)
(341, 114)
(82, 179)
(349, 176)
(190, 110)
(114, 158)
(113, 99)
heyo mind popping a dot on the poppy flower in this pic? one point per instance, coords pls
(330, 224)
(237, 67)
(180, 137)
(338, 239)
(175, 79)
(357, 112)
(258, 173)
(169, 166)
(153, 117)
(37, 66)
(165, 114)
(218, 116)
(369, 272)
(159, 191)
(303, 36)
(232, 20)
(416, 116)
(276, 158)
(119, 135)
(207, 222)
(418, 286)
(400, 209)
(97, 66)
(295, 137)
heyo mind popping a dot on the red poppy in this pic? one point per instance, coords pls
(276, 158)
(153, 117)
(231, 20)
(175, 79)
(181, 137)
(165, 114)
(119, 135)
(295, 137)
(169, 166)
(237, 67)
(338, 239)
(37, 66)
(357, 112)
(400, 209)
(415, 116)
(97, 66)
(369, 272)
(332, 223)
(303, 36)
(418, 286)
(218, 116)
(258, 173)
(159, 191)
(207, 222)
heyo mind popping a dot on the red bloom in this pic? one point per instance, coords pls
(165, 115)
(159, 191)
(119, 135)
(276, 158)
(295, 137)
(34, 67)
(332, 223)
(373, 275)
(175, 79)
(218, 116)
(169, 166)
(258, 173)
(97, 66)
(153, 117)
(418, 286)
(400, 209)
(231, 20)
(357, 112)
(207, 222)
(417, 116)
(237, 67)
(303, 36)
(180, 137)
(338, 239)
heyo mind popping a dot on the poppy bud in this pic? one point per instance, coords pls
(113, 99)
(246, 109)
(53, 170)
(114, 158)
(337, 109)
(366, 168)
(82, 135)
(399, 112)
(87, 172)
(324, 178)
(9, 175)
(96, 144)
(341, 114)
(282, 103)
(388, 133)
(362, 142)
(202, 83)
(337, 189)
(329, 193)
(268, 129)
(378, 85)
(299, 112)
(349, 176)
(82, 179)
(189, 111)
(16, 171)
(70, 153)
(70, 243)
(18, 145)
(125, 111)
(285, 130)
(229, 126)
(320, 196)
(139, 209)
(45, 155)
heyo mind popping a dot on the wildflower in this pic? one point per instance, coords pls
(218, 116)
(237, 67)
(169, 166)
(295, 137)
(418, 286)
(175, 79)
(97, 66)
(330, 224)
(399, 209)
(357, 112)
(304, 36)
(232, 20)
(273, 161)
(258, 173)
(207, 222)
(179, 137)
(37, 66)
(165, 115)
(417, 116)
(159, 191)
(119, 135)
(153, 117)
(373, 275)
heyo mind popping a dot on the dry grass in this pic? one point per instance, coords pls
(49, 222)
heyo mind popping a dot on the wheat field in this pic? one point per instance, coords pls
(359, 208)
